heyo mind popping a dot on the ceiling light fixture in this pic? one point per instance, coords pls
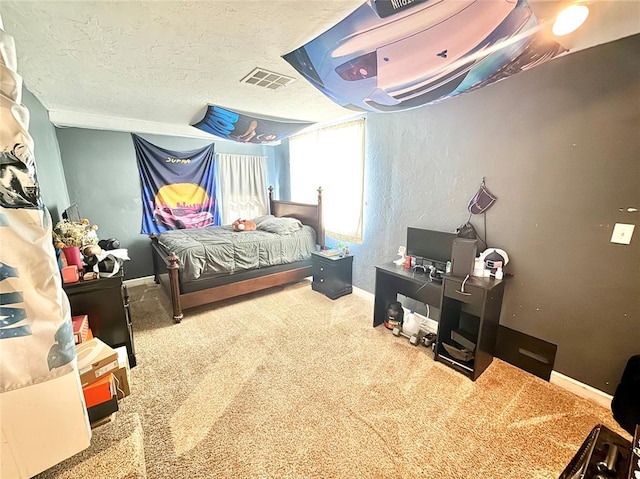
(570, 19)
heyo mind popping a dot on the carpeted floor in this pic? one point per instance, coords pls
(290, 384)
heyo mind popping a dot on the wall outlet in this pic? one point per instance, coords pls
(622, 233)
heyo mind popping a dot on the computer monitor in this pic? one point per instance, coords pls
(433, 246)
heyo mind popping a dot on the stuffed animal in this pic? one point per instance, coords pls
(92, 250)
(243, 225)
(91, 253)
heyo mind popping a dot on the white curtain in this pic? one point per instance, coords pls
(331, 157)
(242, 186)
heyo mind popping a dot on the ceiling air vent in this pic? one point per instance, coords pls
(267, 79)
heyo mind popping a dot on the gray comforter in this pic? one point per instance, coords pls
(213, 251)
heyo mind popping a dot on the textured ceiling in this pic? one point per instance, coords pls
(153, 66)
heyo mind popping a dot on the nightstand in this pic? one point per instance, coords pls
(332, 274)
(106, 302)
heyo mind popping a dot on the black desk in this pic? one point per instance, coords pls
(392, 280)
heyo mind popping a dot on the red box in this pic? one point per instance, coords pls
(80, 328)
(99, 391)
(70, 274)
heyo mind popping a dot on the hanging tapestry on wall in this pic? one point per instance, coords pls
(248, 127)
(178, 188)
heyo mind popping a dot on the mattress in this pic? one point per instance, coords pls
(219, 250)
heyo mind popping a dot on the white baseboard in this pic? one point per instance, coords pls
(145, 280)
(581, 389)
(364, 294)
(431, 325)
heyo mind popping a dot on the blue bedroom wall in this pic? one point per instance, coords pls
(53, 187)
(102, 177)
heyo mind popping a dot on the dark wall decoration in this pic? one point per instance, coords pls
(248, 127)
(178, 188)
(392, 55)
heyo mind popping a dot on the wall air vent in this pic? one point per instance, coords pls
(267, 79)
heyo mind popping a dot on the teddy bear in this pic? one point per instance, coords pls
(243, 225)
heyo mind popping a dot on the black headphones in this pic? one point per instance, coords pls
(108, 244)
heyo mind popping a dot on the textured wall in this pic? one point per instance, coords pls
(560, 146)
(48, 163)
(102, 177)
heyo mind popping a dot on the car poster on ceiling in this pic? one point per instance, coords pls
(247, 127)
(178, 188)
(394, 55)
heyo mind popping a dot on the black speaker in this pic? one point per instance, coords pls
(109, 244)
(463, 255)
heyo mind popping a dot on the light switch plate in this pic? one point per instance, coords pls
(622, 233)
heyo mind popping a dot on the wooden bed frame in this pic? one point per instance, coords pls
(189, 295)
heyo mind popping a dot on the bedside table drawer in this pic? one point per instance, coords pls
(319, 270)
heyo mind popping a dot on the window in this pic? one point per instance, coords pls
(333, 158)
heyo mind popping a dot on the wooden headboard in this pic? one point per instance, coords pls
(310, 215)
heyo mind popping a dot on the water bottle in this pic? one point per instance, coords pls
(411, 324)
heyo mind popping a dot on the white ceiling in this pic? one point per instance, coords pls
(153, 66)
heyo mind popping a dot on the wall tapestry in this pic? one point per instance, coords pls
(178, 188)
(248, 127)
(398, 55)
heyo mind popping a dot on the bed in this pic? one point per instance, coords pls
(190, 284)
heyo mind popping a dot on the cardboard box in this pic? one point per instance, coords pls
(95, 359)
(99, 391)
(80, 328)
(122, 375)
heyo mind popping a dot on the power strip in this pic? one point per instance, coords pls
(427, 324)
